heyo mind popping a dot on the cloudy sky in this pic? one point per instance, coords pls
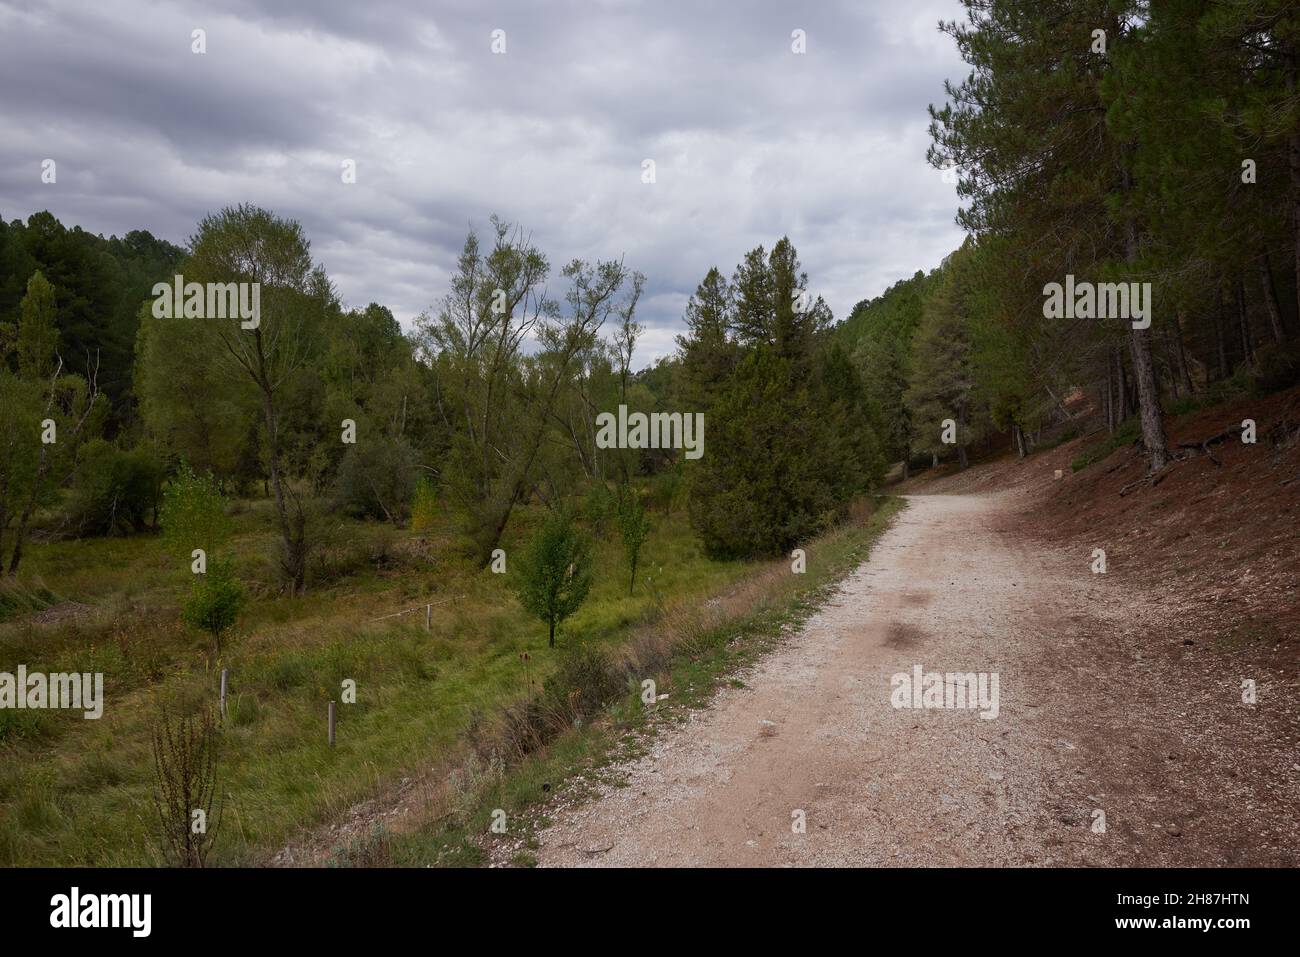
(750, 140)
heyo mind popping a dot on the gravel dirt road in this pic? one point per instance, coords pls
(1087, 724)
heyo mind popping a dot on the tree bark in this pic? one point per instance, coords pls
(1153, 425)
(1292, 69)
(1243, 322)
(1125, 409)
(291, 537)
(1108, 400)
(1270, 299)
(1180, 355)
(1220, 340)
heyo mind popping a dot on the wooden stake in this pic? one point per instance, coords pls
(223, 692)
(428, 617)
(331, 724)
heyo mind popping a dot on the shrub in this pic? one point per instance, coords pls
(115, 491)
(377, 479)
(586, 680)
(185, 775)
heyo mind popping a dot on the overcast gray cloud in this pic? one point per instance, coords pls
(750, 140)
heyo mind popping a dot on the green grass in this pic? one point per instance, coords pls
(78, 792)
(698, 665)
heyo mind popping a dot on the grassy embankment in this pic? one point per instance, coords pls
(78, 792)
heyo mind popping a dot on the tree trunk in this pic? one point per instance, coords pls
(1153, 425)
(1220, 340)
(552, 638)
(1171, 365)
(1121, 384)
(20, 533)
(290, 538)
(1270, 299)
(292, 534)
(1180, 355)
(1243, 322)
(1108, 400)
(1292, 68)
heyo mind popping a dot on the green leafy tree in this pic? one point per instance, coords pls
(555, 573)
(191, 406)
(193, 515)
(214, 602)
(249, 244)
(20, 442)
(38, 334)
(70, 406)
(115, 490)
(633, 527)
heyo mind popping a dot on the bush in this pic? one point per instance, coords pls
(377, 479)
(185, 778)
(586, 680)
(115, 491)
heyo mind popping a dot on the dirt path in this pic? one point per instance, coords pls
(1081, 728)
